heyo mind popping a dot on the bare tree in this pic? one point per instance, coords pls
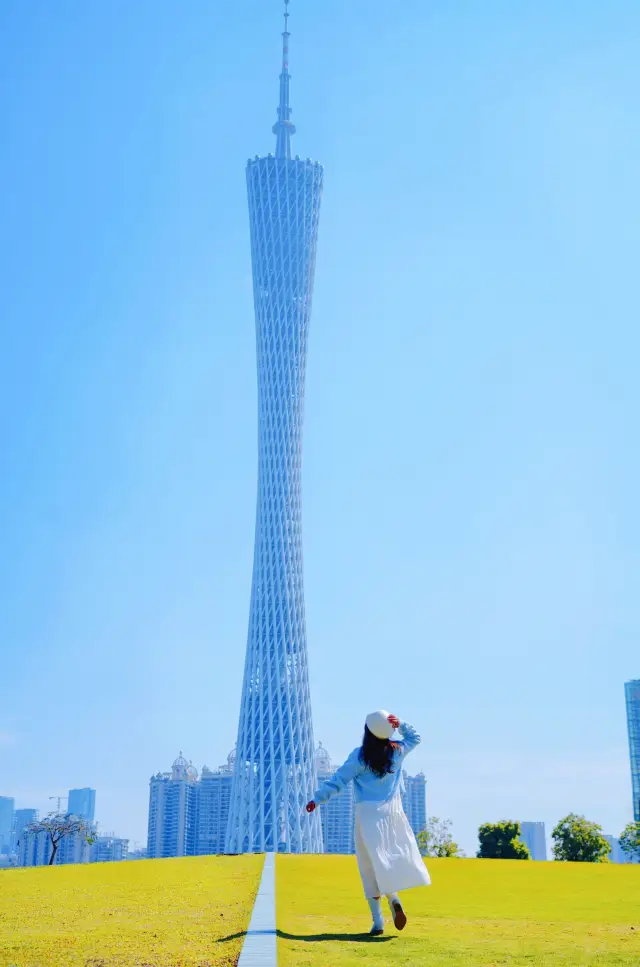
(57, 826)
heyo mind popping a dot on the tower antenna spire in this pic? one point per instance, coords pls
(284, 128)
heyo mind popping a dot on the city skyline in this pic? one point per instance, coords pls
(189, 810)
(190, 819)
(275, 774)
(469, 484)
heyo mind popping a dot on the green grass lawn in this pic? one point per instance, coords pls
(477, 912)
(157, 913)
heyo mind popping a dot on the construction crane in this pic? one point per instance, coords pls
(59, 799)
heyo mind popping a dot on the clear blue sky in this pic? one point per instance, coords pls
(471, 468)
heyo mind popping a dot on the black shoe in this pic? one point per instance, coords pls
(399, 916)
(376, 932)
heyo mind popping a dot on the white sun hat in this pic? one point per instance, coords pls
(378, 723)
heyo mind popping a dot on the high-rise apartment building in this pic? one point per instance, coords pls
(76, 848)
(212, 812)
(82, 803)
(34, 849)
(632, 696)
(274, 773)
(172, 811)
(6, 823)
(337, 816)
(188, 813)
(21, 819)
(534, 836)
(414, 801)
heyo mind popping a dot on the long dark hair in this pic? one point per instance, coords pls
(377, 754)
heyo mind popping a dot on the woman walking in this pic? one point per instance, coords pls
(388, 857)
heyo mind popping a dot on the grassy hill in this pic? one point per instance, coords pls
(193, 913)
(158, 913)
(479, 913)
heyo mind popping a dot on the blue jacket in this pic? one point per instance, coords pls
(367, 786)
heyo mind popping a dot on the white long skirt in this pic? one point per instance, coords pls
(388, 856)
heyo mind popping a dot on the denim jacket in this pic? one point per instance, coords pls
(367, 786)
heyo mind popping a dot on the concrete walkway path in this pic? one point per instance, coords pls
(260, 949)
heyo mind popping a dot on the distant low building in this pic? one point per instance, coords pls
(617, 854)
(108, 848)
(136, 854)
(534, 836)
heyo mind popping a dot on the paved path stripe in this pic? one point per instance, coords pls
(259, 949)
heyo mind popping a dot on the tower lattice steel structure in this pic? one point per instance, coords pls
(632, 694)
(275, 769)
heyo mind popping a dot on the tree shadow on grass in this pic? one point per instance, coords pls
(233, 936)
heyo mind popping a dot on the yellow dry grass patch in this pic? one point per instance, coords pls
(160, 913)
(478, 913)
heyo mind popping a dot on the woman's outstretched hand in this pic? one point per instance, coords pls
(395, 721)
(311, 806)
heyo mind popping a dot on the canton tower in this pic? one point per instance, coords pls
(275, 770)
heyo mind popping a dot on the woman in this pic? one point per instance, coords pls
(387, 852)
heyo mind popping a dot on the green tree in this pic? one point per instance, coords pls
(630, 841)
(436, 839)
(499, 841)
(577, 840)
